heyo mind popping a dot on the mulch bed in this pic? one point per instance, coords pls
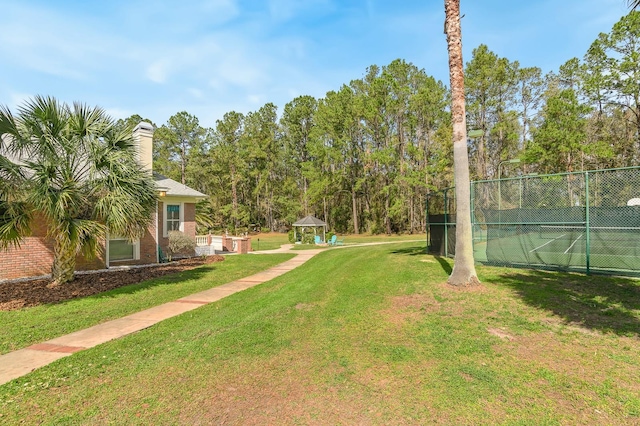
(25, 294)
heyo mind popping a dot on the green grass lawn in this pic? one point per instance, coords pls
(25, 327)
(272, 241)
(366, 238)
(368, 335)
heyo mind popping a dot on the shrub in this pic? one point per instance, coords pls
(292, 236)
(180, 244)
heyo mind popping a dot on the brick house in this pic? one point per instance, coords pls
(175, 211)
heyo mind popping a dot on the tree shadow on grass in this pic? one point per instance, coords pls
(606, 304)
(171, 277)
(445, 263)
(411, 251)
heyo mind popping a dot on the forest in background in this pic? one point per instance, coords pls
(365, 157)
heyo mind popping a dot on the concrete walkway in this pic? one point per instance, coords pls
(21, 362)
(18, 363)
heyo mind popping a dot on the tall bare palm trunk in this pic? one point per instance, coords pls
(464, 272)
(64, 262)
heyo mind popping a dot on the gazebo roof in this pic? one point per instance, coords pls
(310, 221)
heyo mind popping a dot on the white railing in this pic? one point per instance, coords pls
(212, 244)
(203, 241)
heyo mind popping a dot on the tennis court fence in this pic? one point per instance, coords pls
(584, 221)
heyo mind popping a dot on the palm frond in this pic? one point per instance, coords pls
(77, 170)
(15, 221)
(205, 215)
(7, 125)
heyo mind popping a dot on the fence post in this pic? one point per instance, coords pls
(473, 216)
(446, 226)
(426, 215)
(588, 225)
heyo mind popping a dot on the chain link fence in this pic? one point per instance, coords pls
(441, 222)
(586, 221)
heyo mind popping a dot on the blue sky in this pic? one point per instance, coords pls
(208, 57)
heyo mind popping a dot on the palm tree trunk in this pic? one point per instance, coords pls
(464, 272)
(64, 262)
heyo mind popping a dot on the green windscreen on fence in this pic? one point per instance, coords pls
(586, 221)
(441, 220)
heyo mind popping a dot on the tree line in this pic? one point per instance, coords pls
(365, 157)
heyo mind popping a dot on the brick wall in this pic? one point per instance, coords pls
(147, 249)
(244, 246)
(188, 226)
(35, 254)
(98, 262)
(32, 258)
(162, 241)
(190, 220)
(227, 243)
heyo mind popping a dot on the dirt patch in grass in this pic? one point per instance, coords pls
(305, 306)
(500, 333)
(477, 288)
(574, 372)
(410, 307)
(25, 294)
(558, 325)
(277, 391)
(416, 302)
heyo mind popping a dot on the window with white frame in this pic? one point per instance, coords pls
(122, 249)
(172, 218)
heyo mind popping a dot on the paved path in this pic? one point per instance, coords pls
(18, 363)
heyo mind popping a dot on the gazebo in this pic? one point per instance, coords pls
(310, 222)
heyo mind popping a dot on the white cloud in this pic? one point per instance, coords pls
(18, 99)
(158, 71)
(167, 18)
(58, 44)
(255, 99)
(196, 93)
(285, 10)
(243, 70)
(118, 113)
(224, 10)
(208, 57)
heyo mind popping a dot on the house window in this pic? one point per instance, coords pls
(173, 218)
(121, 249)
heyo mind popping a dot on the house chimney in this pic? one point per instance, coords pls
(143, 135)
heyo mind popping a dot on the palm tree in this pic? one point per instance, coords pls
(74, 169)
(464, 271)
